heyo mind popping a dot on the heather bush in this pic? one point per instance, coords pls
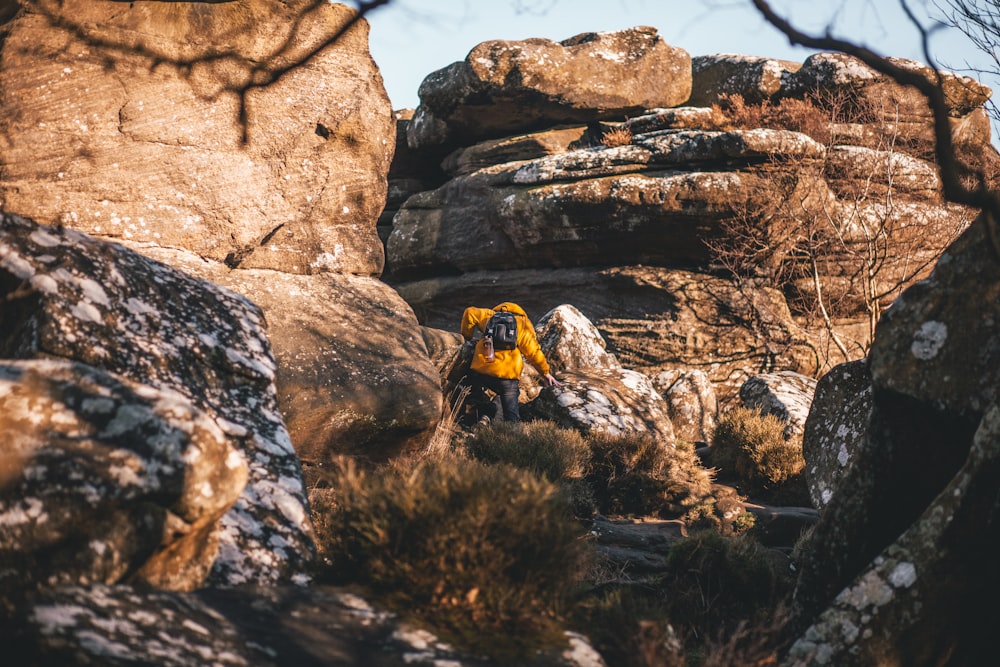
(634, 474)
(546, 449)
(484, 554)
(713, 584)
(751, 448)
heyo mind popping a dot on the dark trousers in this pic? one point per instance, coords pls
(505, 402)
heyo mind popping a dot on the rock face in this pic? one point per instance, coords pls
(353, 372)
(240, 627)
(127, 142)
(628, 220)
(835, 427)
(504, 88)
(910, 529)
(72, 297)
(115, 479)
(281, 203)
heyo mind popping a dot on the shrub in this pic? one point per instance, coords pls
(633, 474)
(619, 136)
(544, 448)
(752, 448)
(714, 583)
(481, 553)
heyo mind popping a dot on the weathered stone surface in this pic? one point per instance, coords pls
(921, 601)
(785, 394)
(691, 402)
(571, 342)
(940, 342)
(70, 296)
(613, 400)
(116, 479)
(916, 492)
(754, 78)
(353, 375)
(677, 118)
(905, 173)
(119, 120)
(504, 88)
(835, 427)
(651, 318)
(517, 149)
(835, 73)
(271, 627)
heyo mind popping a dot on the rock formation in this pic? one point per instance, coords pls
(197, 127)
(631, 231)
(186, 350)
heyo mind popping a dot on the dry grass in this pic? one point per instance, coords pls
(484, 554)
(752, 448)
(618, 136)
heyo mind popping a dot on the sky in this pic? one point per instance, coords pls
(409, 39)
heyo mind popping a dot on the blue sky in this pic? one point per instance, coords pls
(412, 38)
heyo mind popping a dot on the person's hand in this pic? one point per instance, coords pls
(552, 381)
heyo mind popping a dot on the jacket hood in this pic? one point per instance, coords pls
(512, 307)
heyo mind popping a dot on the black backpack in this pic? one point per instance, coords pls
(503, 328)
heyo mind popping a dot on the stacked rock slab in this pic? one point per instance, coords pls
(232, 131)
(553, 209)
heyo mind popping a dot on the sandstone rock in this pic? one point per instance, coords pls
(754, 78)
(73, 297)
(785, 394)
(651, 318)
(677, 118)
(838, 73)
(920, 601)
(124, 122)
(614, 400)
(117, 479)
(835, 426)
(691, 402)
(353, 375)
(516, 149)
(903, 172)
(571, 342)
(245, 626)
(939, 343)
(505, 88)
(914, 496)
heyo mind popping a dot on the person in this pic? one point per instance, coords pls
(502, 374)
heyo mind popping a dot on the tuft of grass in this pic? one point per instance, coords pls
(484, 554)
(618, 136)
(752, 448)
(634, 474)
(715, 584)
(546, 449)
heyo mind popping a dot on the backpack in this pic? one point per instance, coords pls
(502, 327)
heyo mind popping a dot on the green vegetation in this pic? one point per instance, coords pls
(752, 448)
(485, 543)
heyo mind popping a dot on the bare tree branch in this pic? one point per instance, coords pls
(951, 169)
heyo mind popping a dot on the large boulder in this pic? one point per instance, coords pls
(353, 373)
(838, 418)
(838, 75)
(114, 479)
(612, 400)
(691, 401)
(901, 556)
(504, 88)
(69, 296)
(571, 342)
(143, 121)
(785, 394)
(755, 79)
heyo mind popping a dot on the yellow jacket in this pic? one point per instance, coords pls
(508, 363)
